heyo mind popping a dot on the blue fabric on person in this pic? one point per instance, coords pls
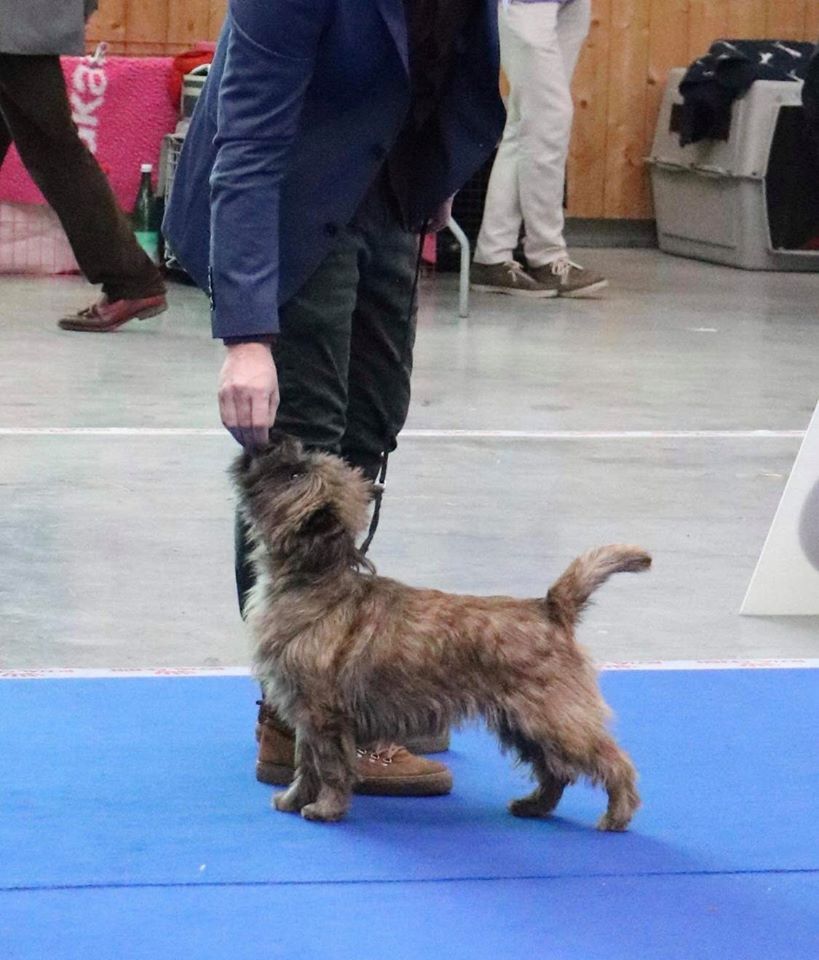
(304, 101)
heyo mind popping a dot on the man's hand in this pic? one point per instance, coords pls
(249, 393)
(441, 217)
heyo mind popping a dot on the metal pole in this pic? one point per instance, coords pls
(463, 292)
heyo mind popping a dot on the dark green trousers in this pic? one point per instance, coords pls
(344, 353)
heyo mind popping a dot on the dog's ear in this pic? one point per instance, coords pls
(284, 446)
(324, 522)
(322, 542)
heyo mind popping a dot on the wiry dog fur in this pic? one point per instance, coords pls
(349, 657)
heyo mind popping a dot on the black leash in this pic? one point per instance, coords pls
(390, 441)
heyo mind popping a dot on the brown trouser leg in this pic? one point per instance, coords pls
(34, 105)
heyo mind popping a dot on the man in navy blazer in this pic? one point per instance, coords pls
(329, 133)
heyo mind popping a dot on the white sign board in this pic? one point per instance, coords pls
(786, 579)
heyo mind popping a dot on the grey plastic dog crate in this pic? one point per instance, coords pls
(751, 201)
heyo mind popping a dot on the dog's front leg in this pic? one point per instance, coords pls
(304, 787)
(330, 756)
(303, 790)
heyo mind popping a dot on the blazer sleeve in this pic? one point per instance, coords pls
(269, 63)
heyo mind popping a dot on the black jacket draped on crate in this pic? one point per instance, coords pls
(725, 73)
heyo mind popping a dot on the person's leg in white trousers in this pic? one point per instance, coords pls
(540, 44)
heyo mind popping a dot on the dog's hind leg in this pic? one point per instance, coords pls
(612, 767)
(569, 722)
(328, 757)
(542, 801)
(594, 754)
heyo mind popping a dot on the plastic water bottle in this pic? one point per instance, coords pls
(144, 218)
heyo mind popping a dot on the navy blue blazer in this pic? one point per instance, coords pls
(304, 100)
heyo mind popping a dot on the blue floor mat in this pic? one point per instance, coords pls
(132, 801)
(757, 917)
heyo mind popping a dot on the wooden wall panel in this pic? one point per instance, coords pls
(147, 21)
(145, 27)
(786, 21)
(709, 21)
(109, 23)
(747, 19)
(626, 189)
(618, 84)
(587, 154)
(217, 15)
(188, 21)
(811, 21)
(668, 47)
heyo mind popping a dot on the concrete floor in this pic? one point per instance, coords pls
(117, 547)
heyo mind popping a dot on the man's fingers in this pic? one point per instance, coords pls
(236, 407)
(248, 393)
(273, 406)
(253, 420)
(227, 411)
(260, 422)
(244, 410)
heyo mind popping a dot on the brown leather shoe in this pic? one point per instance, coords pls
(385, 770)
(104, 316)
(389, 770)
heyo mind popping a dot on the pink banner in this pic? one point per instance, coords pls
(122, 109)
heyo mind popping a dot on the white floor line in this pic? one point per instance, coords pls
(602, 434)
(68, 673)
(427, 434)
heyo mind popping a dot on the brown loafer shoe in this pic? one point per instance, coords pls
(385, 770)
(104, 316)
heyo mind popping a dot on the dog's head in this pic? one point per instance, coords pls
(306, 507)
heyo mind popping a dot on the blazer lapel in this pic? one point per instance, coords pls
(393, 13)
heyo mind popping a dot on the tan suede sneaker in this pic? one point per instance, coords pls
(385, 770)
(568, 279)
(508, 277)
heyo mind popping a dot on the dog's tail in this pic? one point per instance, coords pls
(570, 594)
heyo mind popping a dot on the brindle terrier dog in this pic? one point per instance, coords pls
(348, 657)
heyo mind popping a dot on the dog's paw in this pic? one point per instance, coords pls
(530, 807)
(613, 824)
(285, 803)
(323, 812)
